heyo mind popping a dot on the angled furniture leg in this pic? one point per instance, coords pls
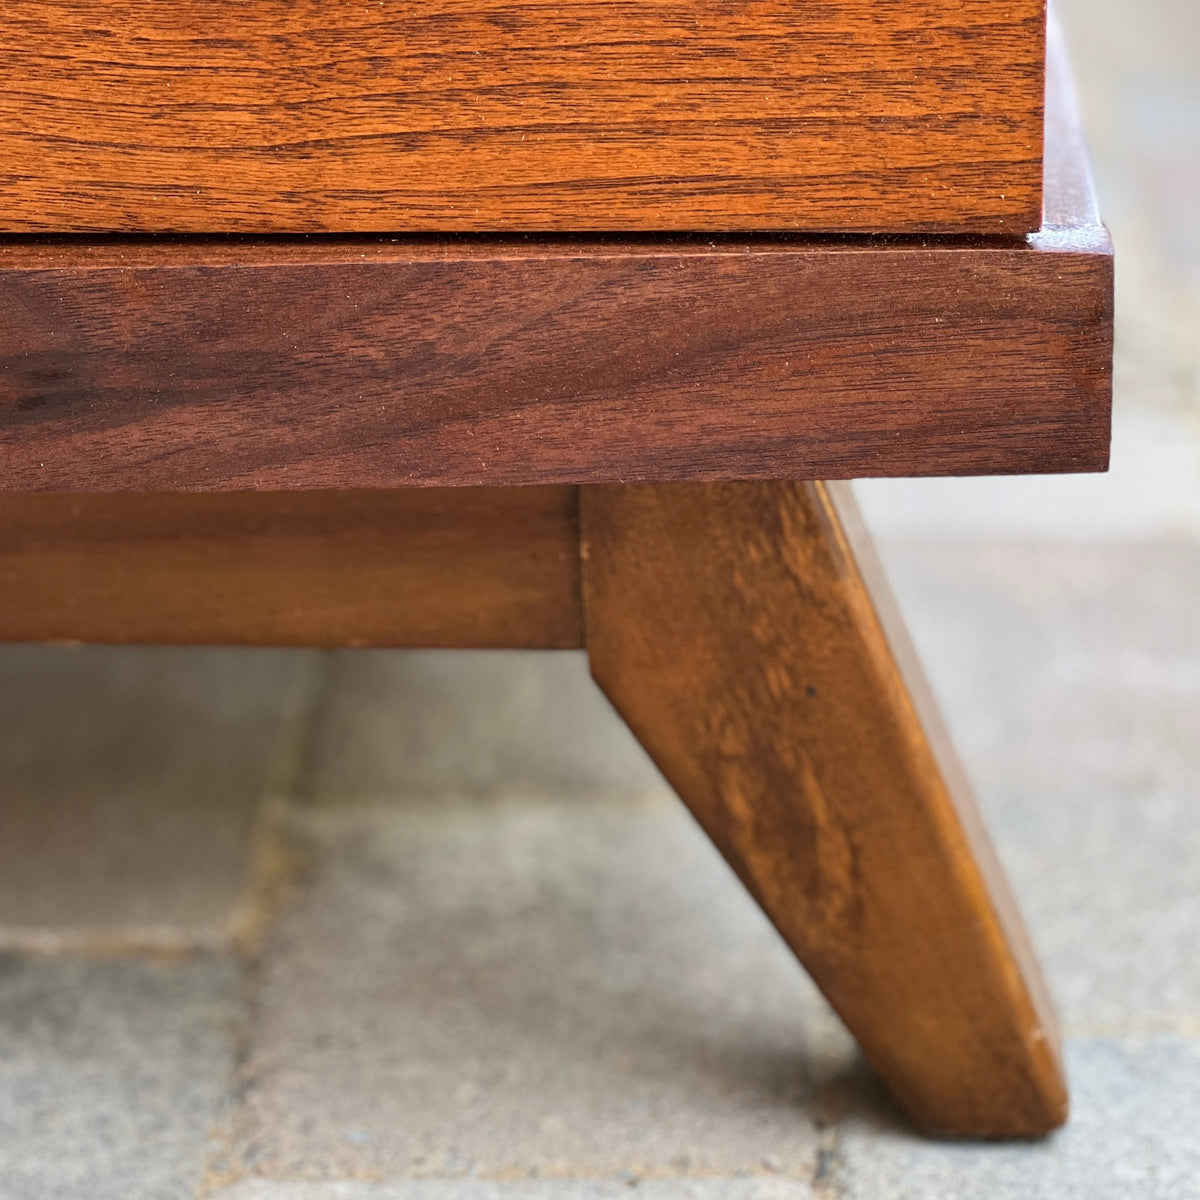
(742, 631)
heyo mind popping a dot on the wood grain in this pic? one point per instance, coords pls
(732, 628)
(394, 116)
(233, 365)
(464, 567)
(265, 367)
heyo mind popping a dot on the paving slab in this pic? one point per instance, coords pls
(469, 722)
(1110, 884)
(113, 1075)
(1132, 1134)
(1061, 667)
(1070, 678)
(530, 987)
(130, 780)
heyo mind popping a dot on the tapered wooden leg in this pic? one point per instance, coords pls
(743, 634)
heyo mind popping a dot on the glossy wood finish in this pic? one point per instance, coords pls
(325, 115)
(467, 567)
(340, 367)
(735, 630)
(339, 364)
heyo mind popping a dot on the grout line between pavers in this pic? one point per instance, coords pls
(1185, 1026)
(826, 1181)
(631, 1173)
(292, 761)
(565, 795)
(277, 862)
(278, 866)
(162, 943)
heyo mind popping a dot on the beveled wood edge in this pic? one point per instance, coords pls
(859, 547)
(1070, 211)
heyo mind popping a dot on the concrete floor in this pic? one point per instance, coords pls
(293, 926)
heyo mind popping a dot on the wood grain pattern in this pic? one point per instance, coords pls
(444, 115)
(226, 367)
(465, 567)
(732, 628)
(232, 365)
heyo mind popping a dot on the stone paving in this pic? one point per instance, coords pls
(363, 926)
(114, 1075)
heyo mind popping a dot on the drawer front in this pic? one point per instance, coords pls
(482, 115)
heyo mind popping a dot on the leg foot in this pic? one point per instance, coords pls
(740, 631)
